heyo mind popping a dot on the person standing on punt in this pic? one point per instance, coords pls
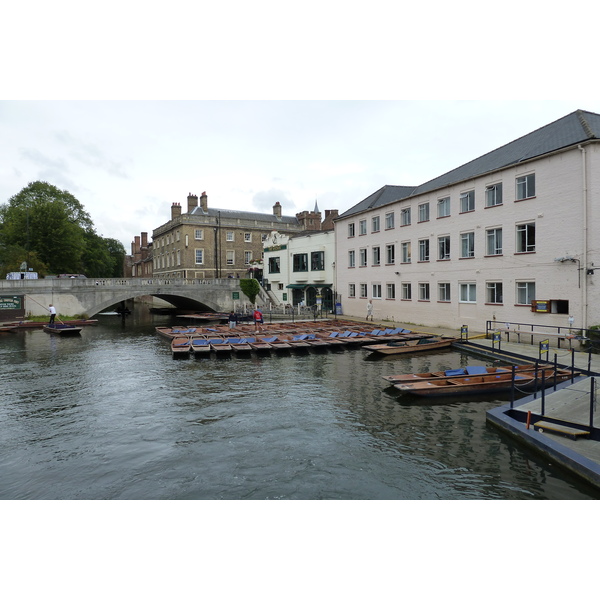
(258, 319)
(52, 314)
(232, 320)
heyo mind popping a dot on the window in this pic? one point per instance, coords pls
(350, 229)
(351, 290)
(376, 291)
(178, 257)
(198, 234)
(229, 236)
(443, 207)
(405, 216)
(247, 237)
(424, 291)
(247, 257)
(494, 241)
(300, 262)
(493, 194)
(526, 237)
(376, 255)
(362, 257)
(423, 250)
(424, 212)
(467, 201)
(390, 291)
(405, 248)
(317, 261)
(390, 254)
(199, 256)
(406, 291)
(351, 259)
(526, 187)
(274, 264)
(375, 226)
(525, 292)
(389, 220)
(363, 290)
(230, 257)
(362, 227)
(467, 244)
(444, 247)
(444, 292)
(494, 292)
(468, 292)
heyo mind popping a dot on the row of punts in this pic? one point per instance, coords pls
(275, 337)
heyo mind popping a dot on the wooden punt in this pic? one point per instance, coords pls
(278, 344)
(200, 348)
(296, 342)
(219, 347)
(239, 345)
(454, 373)
(180, 347)
(42, 324)
(406, 347)
(63, 329)
(484, 384)
(260, 344)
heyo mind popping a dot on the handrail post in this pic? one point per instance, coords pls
(592, 401)
(512, 387)
(543, 391)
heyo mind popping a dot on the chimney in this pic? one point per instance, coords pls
(144, 239)
(277, 210)
(330, 215)
(175, 210)
(204, 202)
(192, 202)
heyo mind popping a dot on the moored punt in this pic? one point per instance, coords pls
(296, 342)
(405, 347)
(260, 344)
(485, 384)
(454, 373)
(62, 329)
(180, 347)
(10, 328)
(277, 344)
(219, 346)
(200, 348)
(239, 345)
(318, 343)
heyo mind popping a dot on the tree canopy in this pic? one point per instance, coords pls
(251, 288)
(50, 230)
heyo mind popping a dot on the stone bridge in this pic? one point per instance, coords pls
(91, 296)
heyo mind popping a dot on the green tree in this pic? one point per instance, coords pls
(251, 288)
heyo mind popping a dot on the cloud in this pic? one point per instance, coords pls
(264, 201)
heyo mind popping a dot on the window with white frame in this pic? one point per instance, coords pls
(199, 256)
(362, 227)
(229, 236)
(423, 250)
(525, 237)
(389, 220)
(351, 290)
(525, 292)
(526, 187)
(423, 291)
(423, 212)
(494, 292)
(198, 234)
(493, 194)
(351, 230)
(467, 244)
(444, 292)
(406, 291)
(376, 250)
(351, 259)
(231, 257)
(405, 251)
(405, 216)
(443, 207)
(494, 241)
(362, 257)
(178, 235)
(390, 291)
(468, 292)
(178, 257)
(363, 290)
(375, 224)
(376, 287)
(467, 201)
(444, 247)
(248, 236)
(247, 257)
(390, 254)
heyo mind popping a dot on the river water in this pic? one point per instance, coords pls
(111, 415)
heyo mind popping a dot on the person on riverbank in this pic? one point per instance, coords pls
(258, 319)
(370, 309)
(52, 314)
(232, 320)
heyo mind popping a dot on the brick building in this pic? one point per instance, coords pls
(139, 263)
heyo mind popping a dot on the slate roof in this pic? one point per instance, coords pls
(244, 215)
(575, 128)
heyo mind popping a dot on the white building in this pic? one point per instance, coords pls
(299, 269)
(512, 236)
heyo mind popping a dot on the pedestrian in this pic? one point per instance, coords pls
(52, 314)
(232, 320)
(370, 309)
(258, 319)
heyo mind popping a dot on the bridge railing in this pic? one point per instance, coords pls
(16, 284)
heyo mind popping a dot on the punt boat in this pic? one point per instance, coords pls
(63, 329)
(453, 373)
(406, 347)
(180, 347)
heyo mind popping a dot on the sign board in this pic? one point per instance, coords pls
(11, 302)
(235, 295)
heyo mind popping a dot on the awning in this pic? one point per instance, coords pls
(322, 285)
(296, 286)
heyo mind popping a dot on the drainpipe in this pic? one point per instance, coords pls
(584, 249)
